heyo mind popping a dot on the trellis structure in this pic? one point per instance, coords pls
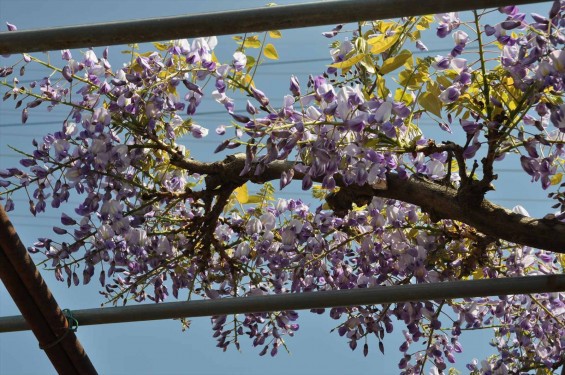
(40, 310)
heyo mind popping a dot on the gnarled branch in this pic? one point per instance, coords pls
(442, 201)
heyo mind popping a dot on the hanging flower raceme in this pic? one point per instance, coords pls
(149, 217)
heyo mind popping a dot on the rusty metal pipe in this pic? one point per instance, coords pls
(33, 317)
(22, 277)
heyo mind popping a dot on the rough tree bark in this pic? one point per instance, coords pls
(438, 200)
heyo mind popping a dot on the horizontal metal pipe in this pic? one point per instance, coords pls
(232, 22)
(301, 301)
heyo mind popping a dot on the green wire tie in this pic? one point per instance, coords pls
(73, 327)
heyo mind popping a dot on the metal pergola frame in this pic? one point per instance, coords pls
(40, 311)
(312, 300)
(38, 306)
(232, 22)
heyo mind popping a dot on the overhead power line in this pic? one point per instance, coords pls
(231, 22)
(327, 59)
(313, 300)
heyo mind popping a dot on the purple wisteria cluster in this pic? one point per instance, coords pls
(153, 220)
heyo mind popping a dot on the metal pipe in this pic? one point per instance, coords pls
(37, 323)
(314, 300)
(35, 301)
(231, 22)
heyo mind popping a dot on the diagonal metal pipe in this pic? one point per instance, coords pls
(232, 22)
(37, 304)
(33, 318)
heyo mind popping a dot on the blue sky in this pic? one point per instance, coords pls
(160, 347)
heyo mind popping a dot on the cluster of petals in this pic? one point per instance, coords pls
(140, 222)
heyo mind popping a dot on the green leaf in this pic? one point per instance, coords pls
(395, 62)
(382, 42)
(270, 52)
(349, 62)
(430, 103)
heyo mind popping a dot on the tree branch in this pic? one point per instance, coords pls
(442, 202)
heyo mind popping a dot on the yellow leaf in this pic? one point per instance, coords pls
(444, 81)
(382, 42)
(359, 208)
(241, 194)
(454, 166)
(562, 261)
(349, 62)
(401, 95)
(361, 45)
(255, 199)
(275, 34)
(478, 274)
(384, 26)
(382, 90)
(252, 42)
(161, 46)
(395, 62)
(368, 64)
(424, 22)
(433, 88)
(172, 90)
(412, 80)
(250, 62)
(270, 52)
(248, 80)
(430, 103)
(556, 178)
